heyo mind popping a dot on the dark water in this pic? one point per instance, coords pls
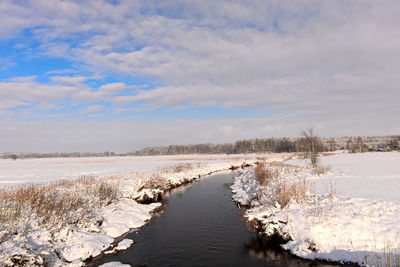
(201, 226)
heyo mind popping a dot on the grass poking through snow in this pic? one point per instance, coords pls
(276, 189)
(54, 205)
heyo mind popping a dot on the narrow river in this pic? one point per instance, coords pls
(201, 226)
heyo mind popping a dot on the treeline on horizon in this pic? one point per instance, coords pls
(279, 145)
(273, 145)
(29, 155)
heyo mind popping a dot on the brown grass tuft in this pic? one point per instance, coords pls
(292, 192)
(322, 169)
(156, 181)
(263, 174)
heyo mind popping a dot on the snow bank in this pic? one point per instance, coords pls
(353, 216)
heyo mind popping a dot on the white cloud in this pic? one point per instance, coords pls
(27, 91)
(93, 108)
(300, 56)
(325, 60)
(71, 80)
(11, 104)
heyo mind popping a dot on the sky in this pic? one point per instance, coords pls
(102, 75)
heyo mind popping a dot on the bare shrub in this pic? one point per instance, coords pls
(263, 174)
(310, 145)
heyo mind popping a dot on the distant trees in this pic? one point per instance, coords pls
(356, 146)
(360, 145)
(395, 143)
(331, 144)
(239, 147)
(350, 145)
(311, 145)
(278, 145)
(27, 155)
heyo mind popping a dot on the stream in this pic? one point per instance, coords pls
(200, 225)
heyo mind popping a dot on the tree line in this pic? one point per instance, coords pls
(279, 145)
(273, 145)
(27, 155)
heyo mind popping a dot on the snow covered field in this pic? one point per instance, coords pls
(374, 176)
(352, 213)
(21, 171)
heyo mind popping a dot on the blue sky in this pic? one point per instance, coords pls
(194, 71)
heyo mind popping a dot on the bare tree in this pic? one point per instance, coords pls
(360, 144)
(350, 146)
(331, 144)
(311, 145)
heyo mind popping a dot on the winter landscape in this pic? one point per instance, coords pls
(199, 133)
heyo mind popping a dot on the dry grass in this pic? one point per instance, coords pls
(286, 192)
(389, 258)
(264, 175)
(279, 189)
(322, 169)
(54, 205)
(156, 181)
(181, 168)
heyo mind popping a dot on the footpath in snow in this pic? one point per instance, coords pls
(349, 214)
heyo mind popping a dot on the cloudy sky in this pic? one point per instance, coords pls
(121, 75)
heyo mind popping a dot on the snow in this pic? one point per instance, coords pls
(13, 173)
(123, 245)
(352, 216)
(124, 215)
(114, 264)
(81, 245)
(76, 242)
(374, 176)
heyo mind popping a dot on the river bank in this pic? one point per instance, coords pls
(348, 214)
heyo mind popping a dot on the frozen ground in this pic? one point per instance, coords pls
(22, 171)
(352, 213)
